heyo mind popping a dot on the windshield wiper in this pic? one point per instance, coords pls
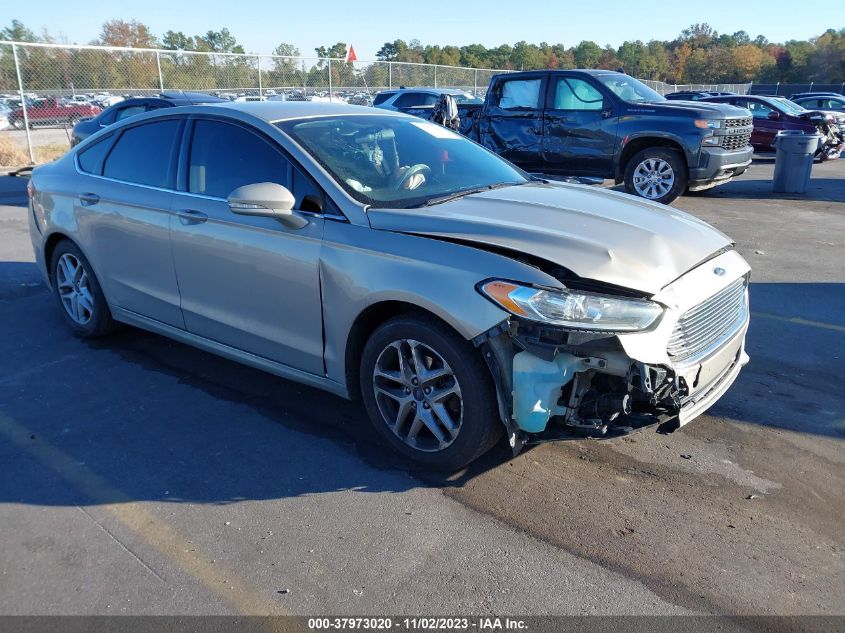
(468, 192)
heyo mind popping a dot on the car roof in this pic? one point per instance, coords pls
(427, 89)
(142, 101)
(190, 97)
(274, 111)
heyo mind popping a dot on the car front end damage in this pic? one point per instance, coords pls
(555, 381)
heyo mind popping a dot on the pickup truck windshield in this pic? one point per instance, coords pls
(399, 162)
(629, 89)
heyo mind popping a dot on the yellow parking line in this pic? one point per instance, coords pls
(158, 534)
(800, 321)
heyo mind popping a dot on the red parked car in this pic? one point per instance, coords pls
(48, 112)
(773, 114)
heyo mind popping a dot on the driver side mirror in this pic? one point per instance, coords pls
(773, 116)
(606, 108)
(268, 200)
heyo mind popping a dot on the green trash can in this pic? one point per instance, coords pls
(794, 160)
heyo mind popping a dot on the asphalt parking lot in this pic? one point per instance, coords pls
(140, 476)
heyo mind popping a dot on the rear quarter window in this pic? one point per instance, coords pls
(382, 97)
(91, 158)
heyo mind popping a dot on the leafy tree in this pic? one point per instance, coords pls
(587, 54)
(178, 41)
(126, 33)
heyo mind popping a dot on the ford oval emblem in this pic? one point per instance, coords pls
(719, 271)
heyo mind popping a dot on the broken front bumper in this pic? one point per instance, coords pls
(596, 382)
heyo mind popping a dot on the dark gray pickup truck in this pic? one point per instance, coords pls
(608, 125)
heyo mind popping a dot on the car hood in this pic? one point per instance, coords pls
(597, 234)
(703, 109)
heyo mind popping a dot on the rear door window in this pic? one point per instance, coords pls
(128, 111)
(145, 154)
(520, 94)
(225, 156)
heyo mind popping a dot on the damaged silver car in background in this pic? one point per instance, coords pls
(382, 257)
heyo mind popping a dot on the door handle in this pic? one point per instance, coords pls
(191, 216)
(88, 199)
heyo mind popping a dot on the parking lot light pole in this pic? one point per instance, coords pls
(23, 104)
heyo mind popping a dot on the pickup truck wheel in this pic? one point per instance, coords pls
(657, 174)
(428, 393)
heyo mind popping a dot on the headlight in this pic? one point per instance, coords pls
(708, 124)
(573, 308)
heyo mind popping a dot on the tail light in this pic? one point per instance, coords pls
(30, 190)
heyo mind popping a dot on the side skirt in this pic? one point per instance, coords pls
(232, 353)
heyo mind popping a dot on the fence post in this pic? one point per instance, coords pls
(23, 104)
(435, 75)
(330, 80)
(260, 92)
(390, 75)
(475, 83)
(160, 76)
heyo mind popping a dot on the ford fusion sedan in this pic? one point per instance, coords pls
(384, 258)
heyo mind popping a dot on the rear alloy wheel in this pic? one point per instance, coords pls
(428, 393)
(78, 293)
(656, 174)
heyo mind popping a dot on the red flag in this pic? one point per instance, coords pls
(351, 56)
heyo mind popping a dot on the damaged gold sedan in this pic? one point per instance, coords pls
(381, 257)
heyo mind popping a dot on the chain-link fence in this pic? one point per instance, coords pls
(664, 88)
(45, 88)
(785, 90)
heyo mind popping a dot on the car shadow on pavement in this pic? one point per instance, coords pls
(13, 191)
(165, 422)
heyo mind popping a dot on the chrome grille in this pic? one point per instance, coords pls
(713, 319)
(736, 141)
(746, 122)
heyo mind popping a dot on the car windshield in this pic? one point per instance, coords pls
(630, 89)
(466, 98)
(397, 161)
(785, 104)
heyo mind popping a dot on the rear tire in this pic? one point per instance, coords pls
(428, 393)
(657, 174)
(78, 293)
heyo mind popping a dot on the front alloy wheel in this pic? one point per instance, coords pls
(418, 395)
(428, 392)
(653, 178)
(656, 173)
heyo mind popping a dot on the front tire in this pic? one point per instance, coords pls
(78, 293)
(656, 173)
(428, 393)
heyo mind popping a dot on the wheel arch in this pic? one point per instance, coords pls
(367, 322)
(636, 145)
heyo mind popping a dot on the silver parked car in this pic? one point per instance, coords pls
(377, 255)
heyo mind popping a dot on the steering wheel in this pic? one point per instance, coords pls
(412, 171)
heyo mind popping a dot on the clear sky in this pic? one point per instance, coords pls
(260, 26)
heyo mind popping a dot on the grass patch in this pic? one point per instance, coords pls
(12, 155)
